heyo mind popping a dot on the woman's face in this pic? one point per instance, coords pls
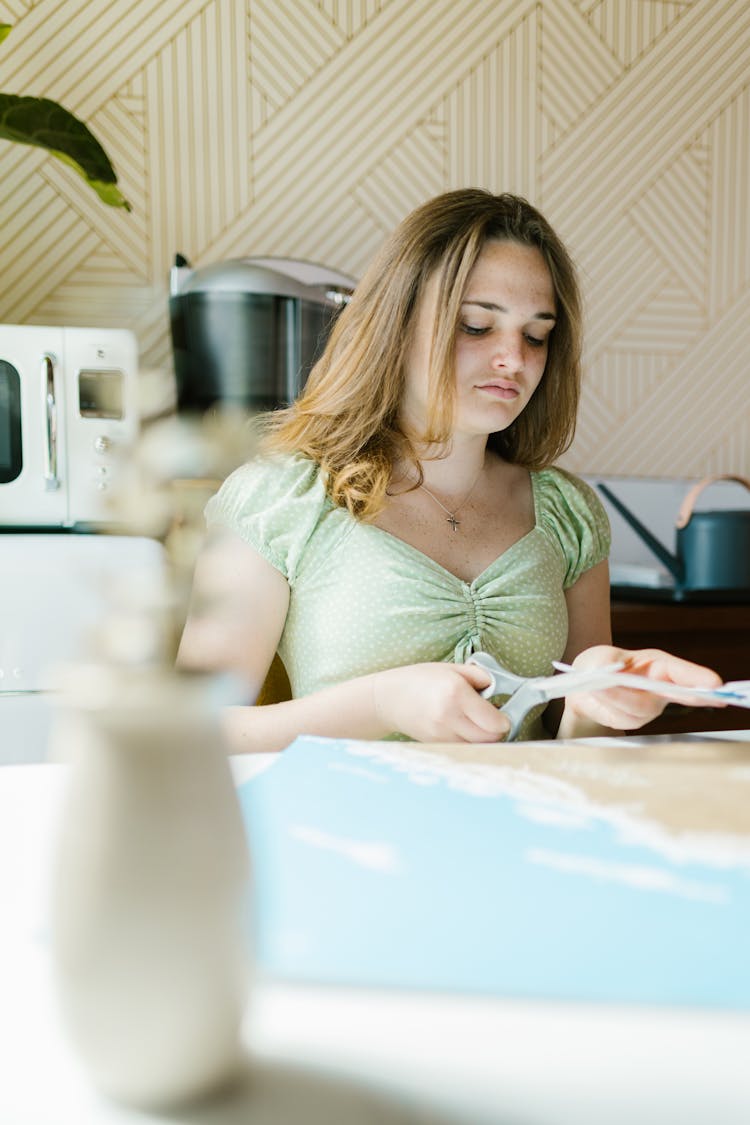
(507, 315)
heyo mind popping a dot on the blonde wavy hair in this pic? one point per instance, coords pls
(347, 417)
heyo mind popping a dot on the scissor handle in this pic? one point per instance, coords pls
(518, 706)
(522, 691)
(503, 682)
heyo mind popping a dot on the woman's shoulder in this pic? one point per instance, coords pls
(273, 503)
(569, 511)
(267, 480)
(555, 486)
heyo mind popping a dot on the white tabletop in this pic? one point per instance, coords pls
(343, 1055)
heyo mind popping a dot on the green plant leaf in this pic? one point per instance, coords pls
(45, 124)
(5, 30)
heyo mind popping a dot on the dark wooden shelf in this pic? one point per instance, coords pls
(715, 635)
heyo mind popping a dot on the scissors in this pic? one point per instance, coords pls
(527, 692)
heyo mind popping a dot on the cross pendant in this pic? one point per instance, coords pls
(453, 522)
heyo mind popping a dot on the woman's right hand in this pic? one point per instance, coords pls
(437, 703)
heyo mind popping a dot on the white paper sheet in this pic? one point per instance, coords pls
(736, 692)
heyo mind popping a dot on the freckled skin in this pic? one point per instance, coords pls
(502, 342)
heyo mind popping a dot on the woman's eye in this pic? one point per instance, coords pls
(535, 342)
(474, 329)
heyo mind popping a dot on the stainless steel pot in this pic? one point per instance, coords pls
(247, 332)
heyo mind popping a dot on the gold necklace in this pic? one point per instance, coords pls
(451, 515)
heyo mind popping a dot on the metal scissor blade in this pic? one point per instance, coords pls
(504, 682)
(527, 692)
(541, 690)
(566, 683)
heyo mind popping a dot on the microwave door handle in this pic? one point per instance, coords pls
(51, 479)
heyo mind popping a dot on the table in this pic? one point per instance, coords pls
(321, 1054)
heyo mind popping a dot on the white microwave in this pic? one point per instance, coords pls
(68, 411)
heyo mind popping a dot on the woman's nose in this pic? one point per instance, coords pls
(508, 352)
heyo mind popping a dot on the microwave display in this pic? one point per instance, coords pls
(11, 459)
(100, 394)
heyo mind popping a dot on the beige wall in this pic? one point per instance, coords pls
(308, 129)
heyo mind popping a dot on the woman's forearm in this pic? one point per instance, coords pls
(347, 710)
(437, 702)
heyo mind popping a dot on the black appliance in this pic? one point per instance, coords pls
(247, 332)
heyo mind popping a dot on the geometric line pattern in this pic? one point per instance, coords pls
(729, 247)
(66, 51)
(413, 168)
(704, 64)
(631, 29)
(308, 128)
(720, 403)
(12, 10)
(569, 89)
(353, 134)
(350, 16)
(491, 116)
(628, 378)
(289, 42)
(662, 324)
(626, 279)
(678, 235)
(198, 120)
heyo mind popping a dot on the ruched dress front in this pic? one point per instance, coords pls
(363, 600)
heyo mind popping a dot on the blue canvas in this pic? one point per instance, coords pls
(383, 864)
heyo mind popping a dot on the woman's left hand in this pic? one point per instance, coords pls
(629, 708)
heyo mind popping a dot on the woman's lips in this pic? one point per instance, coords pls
(500, 390)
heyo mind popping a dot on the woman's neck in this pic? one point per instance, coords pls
(453, 472)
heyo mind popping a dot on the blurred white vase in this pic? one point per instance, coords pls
(151, 898)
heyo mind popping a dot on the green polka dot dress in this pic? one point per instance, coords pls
(363, 600)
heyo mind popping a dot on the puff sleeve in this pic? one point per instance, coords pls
(274, 504)
(573, 516)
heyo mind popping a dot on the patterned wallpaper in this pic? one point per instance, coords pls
(308, 128)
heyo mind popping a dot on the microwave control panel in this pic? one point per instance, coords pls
(102, 417)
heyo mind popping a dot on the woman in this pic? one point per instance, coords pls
(407, 513)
